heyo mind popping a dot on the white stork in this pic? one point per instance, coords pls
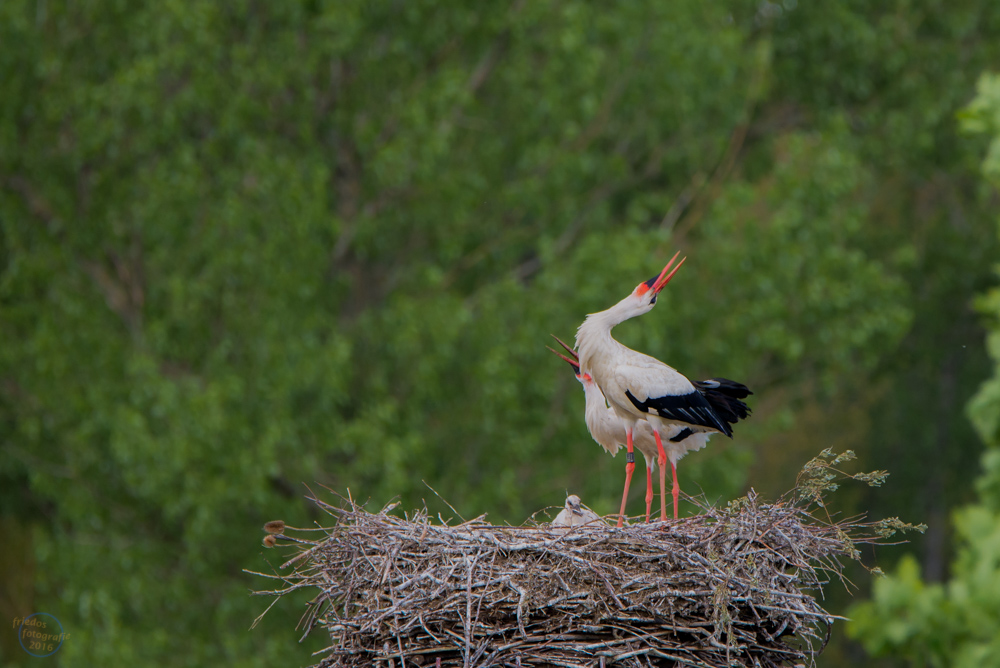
(576, 514)
(640, 387)
(609, 430)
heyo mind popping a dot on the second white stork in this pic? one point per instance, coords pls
(608, 429)
(640, 387)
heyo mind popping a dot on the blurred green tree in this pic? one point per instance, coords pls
(246, 246)
(955, 623)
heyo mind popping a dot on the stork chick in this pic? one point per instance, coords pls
(576, 514)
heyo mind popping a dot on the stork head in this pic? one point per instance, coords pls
(573, 504)
(645, 293)
(573, 361)
(643, 298)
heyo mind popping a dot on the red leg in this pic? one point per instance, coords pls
(677, 488)
(629, 467)
(662, 461)
(649, 490)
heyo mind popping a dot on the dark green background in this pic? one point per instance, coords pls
(249, 246)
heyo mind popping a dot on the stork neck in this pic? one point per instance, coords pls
(595, 401)
(617, 314)
(594, 334)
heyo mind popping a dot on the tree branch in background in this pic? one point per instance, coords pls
(36, 204)
(706, 194)
(124, 291)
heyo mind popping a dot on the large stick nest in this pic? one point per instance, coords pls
(732, 586)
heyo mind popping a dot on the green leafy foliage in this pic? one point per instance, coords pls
(982, 116)
(821, 475)
(246, 246)
(953, 623)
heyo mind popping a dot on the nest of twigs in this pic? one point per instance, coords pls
(732, 586)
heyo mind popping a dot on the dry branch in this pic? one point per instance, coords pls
(733, 586)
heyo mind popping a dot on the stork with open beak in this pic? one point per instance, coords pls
(609, 430)
(640, 387)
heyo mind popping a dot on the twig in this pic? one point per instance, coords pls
(731, 586)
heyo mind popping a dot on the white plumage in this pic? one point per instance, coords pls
(639, 387)
(576, 514)
(608, 429)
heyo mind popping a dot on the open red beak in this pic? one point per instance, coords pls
(667, 273)
(556, 352)
(567, 347)
(574, 362)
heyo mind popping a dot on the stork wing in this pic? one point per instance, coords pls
(724, 396)
(691, 408)
(657, 389)
(724, 386)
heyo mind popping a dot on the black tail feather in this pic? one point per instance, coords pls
(724, 397)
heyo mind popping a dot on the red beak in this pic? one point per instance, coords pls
(573, 363)
(667, 273)
(564, 345)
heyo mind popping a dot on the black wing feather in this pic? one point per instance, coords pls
(684, 433)
(724, 396)
(725, 386)
(691, 408)
(715, 404)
